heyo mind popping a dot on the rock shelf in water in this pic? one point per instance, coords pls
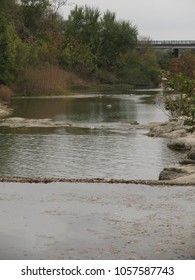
(179, 139)
(95, 180)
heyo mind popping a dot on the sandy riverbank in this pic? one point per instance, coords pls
(96, 221)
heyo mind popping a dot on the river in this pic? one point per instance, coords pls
(97, 143)
(82, 220)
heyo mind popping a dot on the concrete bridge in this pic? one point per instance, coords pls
(174, 45)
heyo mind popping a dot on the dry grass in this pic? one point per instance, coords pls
(5, 93)
(50, 80)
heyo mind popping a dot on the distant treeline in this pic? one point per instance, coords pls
(37, 45)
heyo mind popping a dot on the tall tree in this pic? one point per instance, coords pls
(8, 51)
(33, 14)
(84, 26)
(116, 38)
(105, 36)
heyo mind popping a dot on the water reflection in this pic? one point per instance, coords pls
(85, 109)
(79, 152)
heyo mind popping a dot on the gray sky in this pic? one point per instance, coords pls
(157, 19)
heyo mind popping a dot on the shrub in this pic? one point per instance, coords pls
(181, 78)
(5, 93)
(51, 80)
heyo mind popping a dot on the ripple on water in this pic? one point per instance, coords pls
(107, 155)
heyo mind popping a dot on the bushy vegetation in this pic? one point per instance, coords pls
(34, 37)
(181, 79)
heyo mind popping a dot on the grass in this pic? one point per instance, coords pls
(5, 93)
(51, 80)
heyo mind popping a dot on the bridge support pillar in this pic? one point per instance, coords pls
(175, 53)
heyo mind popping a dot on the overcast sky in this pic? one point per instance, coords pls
(157, 19)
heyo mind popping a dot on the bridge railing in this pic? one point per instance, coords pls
(173, 43)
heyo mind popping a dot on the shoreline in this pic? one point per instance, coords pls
(181, 140)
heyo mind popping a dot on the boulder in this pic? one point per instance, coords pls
(179, 144)
(189, 159)
(134, 123)
(191, 155)
(171, 173)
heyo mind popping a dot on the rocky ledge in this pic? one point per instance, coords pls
(93, 180)
(181, 140)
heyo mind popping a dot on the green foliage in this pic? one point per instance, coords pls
(139, 67)
(83, 26)
(106, 37)
(33, 14)
(7, 7)
(181, 79)
(8, 51)
(116, 38)
(93, 45)
(110, 46)
(78, 57)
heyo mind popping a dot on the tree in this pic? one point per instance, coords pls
(116, 38)
(78, 57)
(181, 78)
(83, 25)
(139, 67)
(57, 5)
(33, 14)
(8, 51)
(7, 7)
(104, 36)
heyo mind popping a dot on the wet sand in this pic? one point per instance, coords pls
(96, 221)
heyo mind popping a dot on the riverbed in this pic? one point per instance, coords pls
(96, 221)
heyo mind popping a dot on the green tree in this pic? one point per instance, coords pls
(78, 57)
(116, 38)
(181, 78)
(139, 67)
(8, 51)
(83, 25)
(33, 13)
(104, 36)
(7, 7)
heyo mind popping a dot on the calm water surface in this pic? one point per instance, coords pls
(88, 151)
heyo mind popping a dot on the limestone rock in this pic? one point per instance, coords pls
(191, 155)
(170, 173)
(179, 144)
(172, 128)
(190, 158)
